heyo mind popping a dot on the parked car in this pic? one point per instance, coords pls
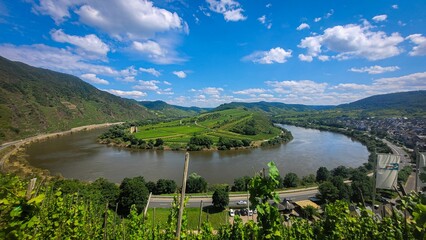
(250, 212)
(242, 202)
(231, 212)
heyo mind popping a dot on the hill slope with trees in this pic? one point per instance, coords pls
(35, 100)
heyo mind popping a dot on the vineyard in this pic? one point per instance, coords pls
(44, 212)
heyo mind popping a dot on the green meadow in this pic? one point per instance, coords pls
(229, 123)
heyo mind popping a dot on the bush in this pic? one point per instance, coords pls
(132, 191)
(220, 198)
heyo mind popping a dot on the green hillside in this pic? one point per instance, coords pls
(35, 100)
(401, 103)
(236, 123)
(165, 110)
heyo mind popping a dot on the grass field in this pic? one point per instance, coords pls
(214, 125)
(160, 215)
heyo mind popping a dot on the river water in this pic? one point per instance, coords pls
(79, 156)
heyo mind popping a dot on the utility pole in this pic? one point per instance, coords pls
(182, 198)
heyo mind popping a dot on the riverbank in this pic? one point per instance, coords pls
(12, 154)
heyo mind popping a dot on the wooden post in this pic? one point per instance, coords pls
(199, 216)
(147, 204)
(30, 188)
(182, 198)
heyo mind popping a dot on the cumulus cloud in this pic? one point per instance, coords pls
(317, 19)
(380, 18)
(420, 48)
(230, 9)
(90, 77)
(395, 6)
(180, 74)
(147, 85)
(274, 55)
(250, 91)
(303, 26)
(351, 41)
(127, 94)
(63, 60)
(156, 53)
(297, 87)
(89, 43)
(375, 69)
(151, 71)
(122, 19)
(265, 22)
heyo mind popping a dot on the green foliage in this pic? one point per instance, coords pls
(220, 198)
(290, 180)
(404, 173)
(328, 192)
(196, 184)
(241, 184)
(322, 174)
(200, 141)
(132, 192)
(165, 186)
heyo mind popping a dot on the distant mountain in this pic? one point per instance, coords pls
(271, 107)
(35, 100)
(408, 102)
(163, 109)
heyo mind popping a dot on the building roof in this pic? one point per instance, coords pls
(305, 203)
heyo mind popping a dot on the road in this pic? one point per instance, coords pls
(295, 195)
(410, 185)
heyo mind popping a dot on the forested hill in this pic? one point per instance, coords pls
(271, 107)
(35, 100)
(409, 102)
(163, 109)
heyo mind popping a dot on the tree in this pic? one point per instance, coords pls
(344, 191)
(152, 187)
(310, 179)
(132, 191)
(328, 192)
(309, 212)
(158, 142)
(322, 174)
(240, 184)
(196, 184)
(220, 198)
(165, 186)
(290, 180)
(361, 184)
(341, 171)
(108, 191)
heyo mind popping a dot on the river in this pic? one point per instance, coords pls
(79, 156)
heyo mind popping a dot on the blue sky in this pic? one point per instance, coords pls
(208, 52)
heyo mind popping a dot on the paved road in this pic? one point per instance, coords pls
(410, 185)
(165, 202)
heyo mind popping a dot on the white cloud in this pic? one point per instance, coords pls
(90, 77)
(250, 91)
(149, 47)
(420, 48)
(89, 43)
(212, 91)
(375, 69)
(262, 19)
(395, 6)
(180, 74)
(57, 10)
(268, 5)
(147, 85)
(352, 41)
(151, 71)
(380, 18)
(137, 19)
(127, 94)
(297, 87)
(230, 9)
(303, 26)
(274, 55)
(62, 60)
(305, 58)
(317, 19)
(167, 83)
